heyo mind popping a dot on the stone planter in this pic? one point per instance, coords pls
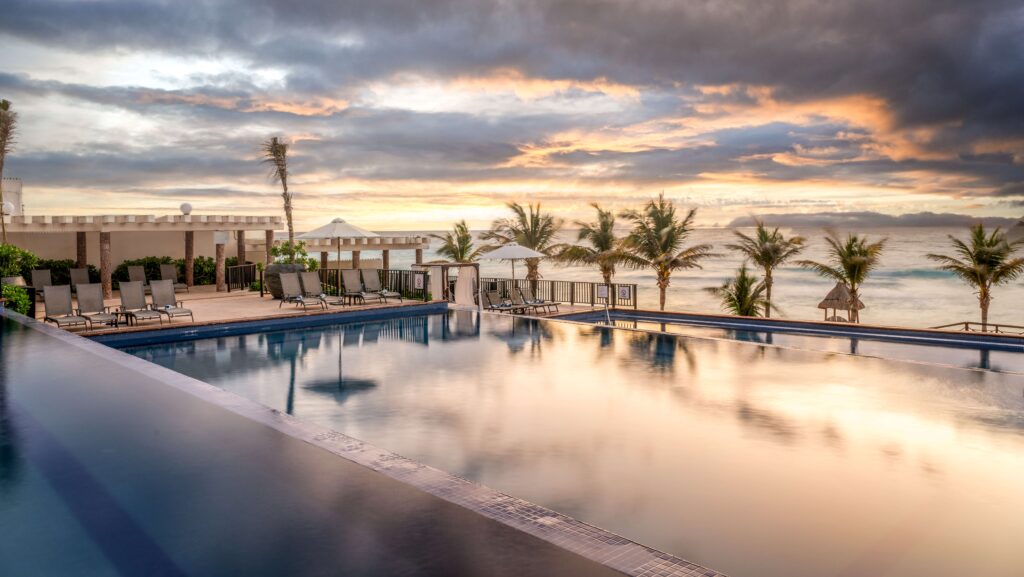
(272, 277)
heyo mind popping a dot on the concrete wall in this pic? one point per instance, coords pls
(126, 245)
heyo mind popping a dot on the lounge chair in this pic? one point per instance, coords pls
(311, 287)
(292, 293)
(371, 284)
(58, 307)
(40, 280)
(90, 304)
(497, 304)
(165, 303)
(519, 300)
(354, 287)
(138, 274)
(170, 272)
(79, 276)
(133, 304)
(531, 298)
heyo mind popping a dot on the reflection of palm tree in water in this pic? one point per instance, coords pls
(660, 350)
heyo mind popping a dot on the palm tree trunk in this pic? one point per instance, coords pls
(3, 223)
(984, 300)
(607, 272)
(532, 269)
(854, 313)
(663, 280)
(768, 293)
(288, 218)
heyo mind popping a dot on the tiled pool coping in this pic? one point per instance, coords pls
(230, 328)
(592, 543)
(896, 334)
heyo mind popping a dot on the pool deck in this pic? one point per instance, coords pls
(211, 307)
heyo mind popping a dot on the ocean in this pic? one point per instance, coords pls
(906, 289)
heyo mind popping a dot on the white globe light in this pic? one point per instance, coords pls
(186, 208)
(8, 207)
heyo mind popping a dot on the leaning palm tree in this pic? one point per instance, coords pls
(275, 153)
(605, 250)
(528, 227)
(768, 249)
(656, 242)
(8, 130)
(850, 262)
(743, 295)
(984, 261)
(457, 244)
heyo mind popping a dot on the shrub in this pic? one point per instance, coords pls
(60, 270)
(151, 264)
(17, 298)
(204, 268)
(16, 262)
(255, 286)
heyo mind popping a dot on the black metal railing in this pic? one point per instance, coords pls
(975, 327)
(411, 284)
(240, 277)
(615, 295)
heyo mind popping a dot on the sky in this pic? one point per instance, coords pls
(411, 114)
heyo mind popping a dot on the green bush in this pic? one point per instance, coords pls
(16, 262)
(17, 298)
(60, 270)
(204, 268)
(255, 286)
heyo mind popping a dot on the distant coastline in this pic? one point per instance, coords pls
(869, 219)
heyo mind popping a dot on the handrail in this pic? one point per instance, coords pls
(401, 281)
(615, 295)
(240, 277)
(997, 328)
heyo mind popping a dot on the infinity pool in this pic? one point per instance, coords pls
(753, 460)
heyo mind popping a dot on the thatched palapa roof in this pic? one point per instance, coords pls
(839, 298)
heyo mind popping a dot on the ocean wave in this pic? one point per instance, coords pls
(915, 273)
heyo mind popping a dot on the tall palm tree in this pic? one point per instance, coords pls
(768, 249)
(605, 250)
(743, 295)
(275, 153)
(528, 227)
(656, 242)
(850, 262)
(8, 131)
(457, 244)
(984, 261)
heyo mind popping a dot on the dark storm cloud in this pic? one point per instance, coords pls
(952, 66)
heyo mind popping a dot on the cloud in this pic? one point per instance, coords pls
(868, 219)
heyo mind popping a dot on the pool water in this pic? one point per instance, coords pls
(999, 357)
(754, 460)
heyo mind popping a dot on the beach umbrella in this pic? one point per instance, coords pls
(336, 230)
(839, 298)
(513, 252)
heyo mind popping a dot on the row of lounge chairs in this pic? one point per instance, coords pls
(133, 309)
(304, 289)
(517, 303)
(42, 278)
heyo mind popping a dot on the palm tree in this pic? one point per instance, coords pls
(656, 242)
(457, 245)
(984, 261)
(8, 130)
(743, 295)
(850, 262)
(605, 249)
(275, 153)
(528, 227)
(768, 249)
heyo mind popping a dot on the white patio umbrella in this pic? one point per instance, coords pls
(336, 230)
(512, 252)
